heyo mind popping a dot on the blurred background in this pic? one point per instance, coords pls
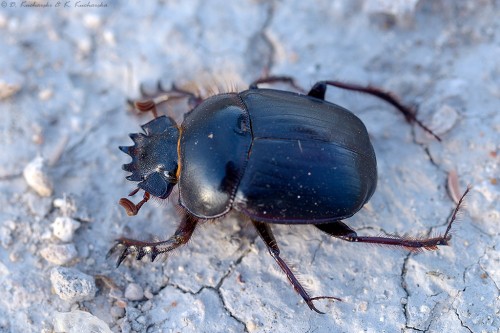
(67, 69)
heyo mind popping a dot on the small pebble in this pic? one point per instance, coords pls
(6, 237)
(398, 8)
(79, 321)
(362, 306)
(424, 309)
(4, 270)
(10, 83)
(64, 228)
(134, 292)
(37, 178)
(66, 204)
(59, 254)
(444, 119)
(117, 312)
(251, 326)
(45, 94)
(146, 306)
(148, 294)
(72, 285)
(14, 256)
(92, 21)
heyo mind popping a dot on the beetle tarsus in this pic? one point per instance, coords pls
(311, 304)
(153, 249)
(447, 235)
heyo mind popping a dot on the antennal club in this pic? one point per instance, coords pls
(131, 208)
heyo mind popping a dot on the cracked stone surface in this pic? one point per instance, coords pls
(65, 77)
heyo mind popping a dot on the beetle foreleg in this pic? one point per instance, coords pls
(181, 236)
(267, 236)
(340, 230)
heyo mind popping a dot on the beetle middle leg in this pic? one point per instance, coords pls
(267, 236)
(181, 236)
(341, 230)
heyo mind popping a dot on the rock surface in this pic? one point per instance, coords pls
(67, 73)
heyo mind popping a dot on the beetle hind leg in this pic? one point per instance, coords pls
(140, 249)
(319, 90)
(340, 230)
(267, 236)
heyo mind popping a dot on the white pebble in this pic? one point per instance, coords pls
(66, 204)
(59, 254)
(6, 238)
(45, 94)
(72, 285)
(134, 292)
(444, 119)
(35, 175)
(64, 228)
(79, 321)
(398, 8)
(92, 21)
(117, 312)
(10, 83)
(148, 294)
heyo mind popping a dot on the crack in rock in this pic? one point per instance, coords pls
(460, 319)
(260, 47)
(404, 285)
(230, 270)
(216, 288)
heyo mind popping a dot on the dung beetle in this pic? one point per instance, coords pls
(275, 156)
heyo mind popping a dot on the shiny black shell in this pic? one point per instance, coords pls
(276, 156)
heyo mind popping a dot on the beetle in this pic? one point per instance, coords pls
(278, 157)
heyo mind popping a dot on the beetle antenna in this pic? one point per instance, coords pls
(131, 194)
(146, 106)
(131, 208)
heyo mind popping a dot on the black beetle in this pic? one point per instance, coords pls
(276, 156)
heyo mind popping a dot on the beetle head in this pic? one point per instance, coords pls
(154, 157)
